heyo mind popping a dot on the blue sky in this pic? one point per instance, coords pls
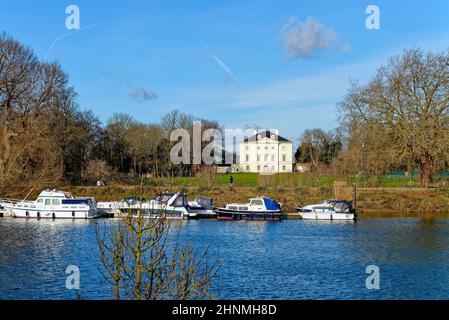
(223, 60)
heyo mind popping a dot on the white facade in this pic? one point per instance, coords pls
(266, 153)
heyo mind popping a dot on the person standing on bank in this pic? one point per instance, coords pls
(231, 183)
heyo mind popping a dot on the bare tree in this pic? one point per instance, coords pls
(145, 259)
(407, 102)
(29, 91)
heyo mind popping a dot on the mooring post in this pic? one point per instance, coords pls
(354, 196)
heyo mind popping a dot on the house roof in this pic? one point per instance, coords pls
(266, 134)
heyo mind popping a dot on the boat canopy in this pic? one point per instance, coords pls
(77, 201)
(173, 199)
(343, 206)
(271, 204)
(204, 202)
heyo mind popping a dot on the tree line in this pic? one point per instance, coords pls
(46, 138)
(398, 120)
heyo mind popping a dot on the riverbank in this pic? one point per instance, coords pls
(371, 202)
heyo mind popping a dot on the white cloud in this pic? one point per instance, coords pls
(303, 39)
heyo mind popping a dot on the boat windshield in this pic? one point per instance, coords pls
(181, 201)
(163, 197)
(256, 202)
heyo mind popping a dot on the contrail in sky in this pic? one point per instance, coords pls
(70, 34)
(220, 62)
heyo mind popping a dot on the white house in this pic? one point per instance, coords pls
(266, 152)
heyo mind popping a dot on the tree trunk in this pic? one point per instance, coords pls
(426, 176)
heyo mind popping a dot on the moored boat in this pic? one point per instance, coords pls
(165, 205)
(53, 204)
(3, 211)
(328, 210)
(129, 205)
(203, 207)
(258, 209)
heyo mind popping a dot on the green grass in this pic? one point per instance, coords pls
(240, 179)
(396, 182)
(279, 180)
(252, 180)
(292, 180)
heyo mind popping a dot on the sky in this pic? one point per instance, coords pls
(261, 64)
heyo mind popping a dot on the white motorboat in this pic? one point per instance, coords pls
(203, 207)
(123, 207)
(165, 205)
(328, 210)
(53, 204)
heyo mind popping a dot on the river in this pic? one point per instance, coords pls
(286, 260)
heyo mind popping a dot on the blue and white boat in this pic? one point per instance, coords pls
(53, 204)
(258, 209)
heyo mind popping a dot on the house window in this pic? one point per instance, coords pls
(266, 148)
(272, 157)
(272, 148)
(272, 168)
(247, 158)
(258, 168)
(266, 157)
(247, 168)
(283, 168)
(247, 148)
(258, 157)
(284, 157)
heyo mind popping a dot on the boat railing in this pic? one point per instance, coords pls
(9, 201)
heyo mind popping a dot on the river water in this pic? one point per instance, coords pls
(286, 260)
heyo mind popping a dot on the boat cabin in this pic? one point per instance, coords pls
(55, 198)
(256, 204)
